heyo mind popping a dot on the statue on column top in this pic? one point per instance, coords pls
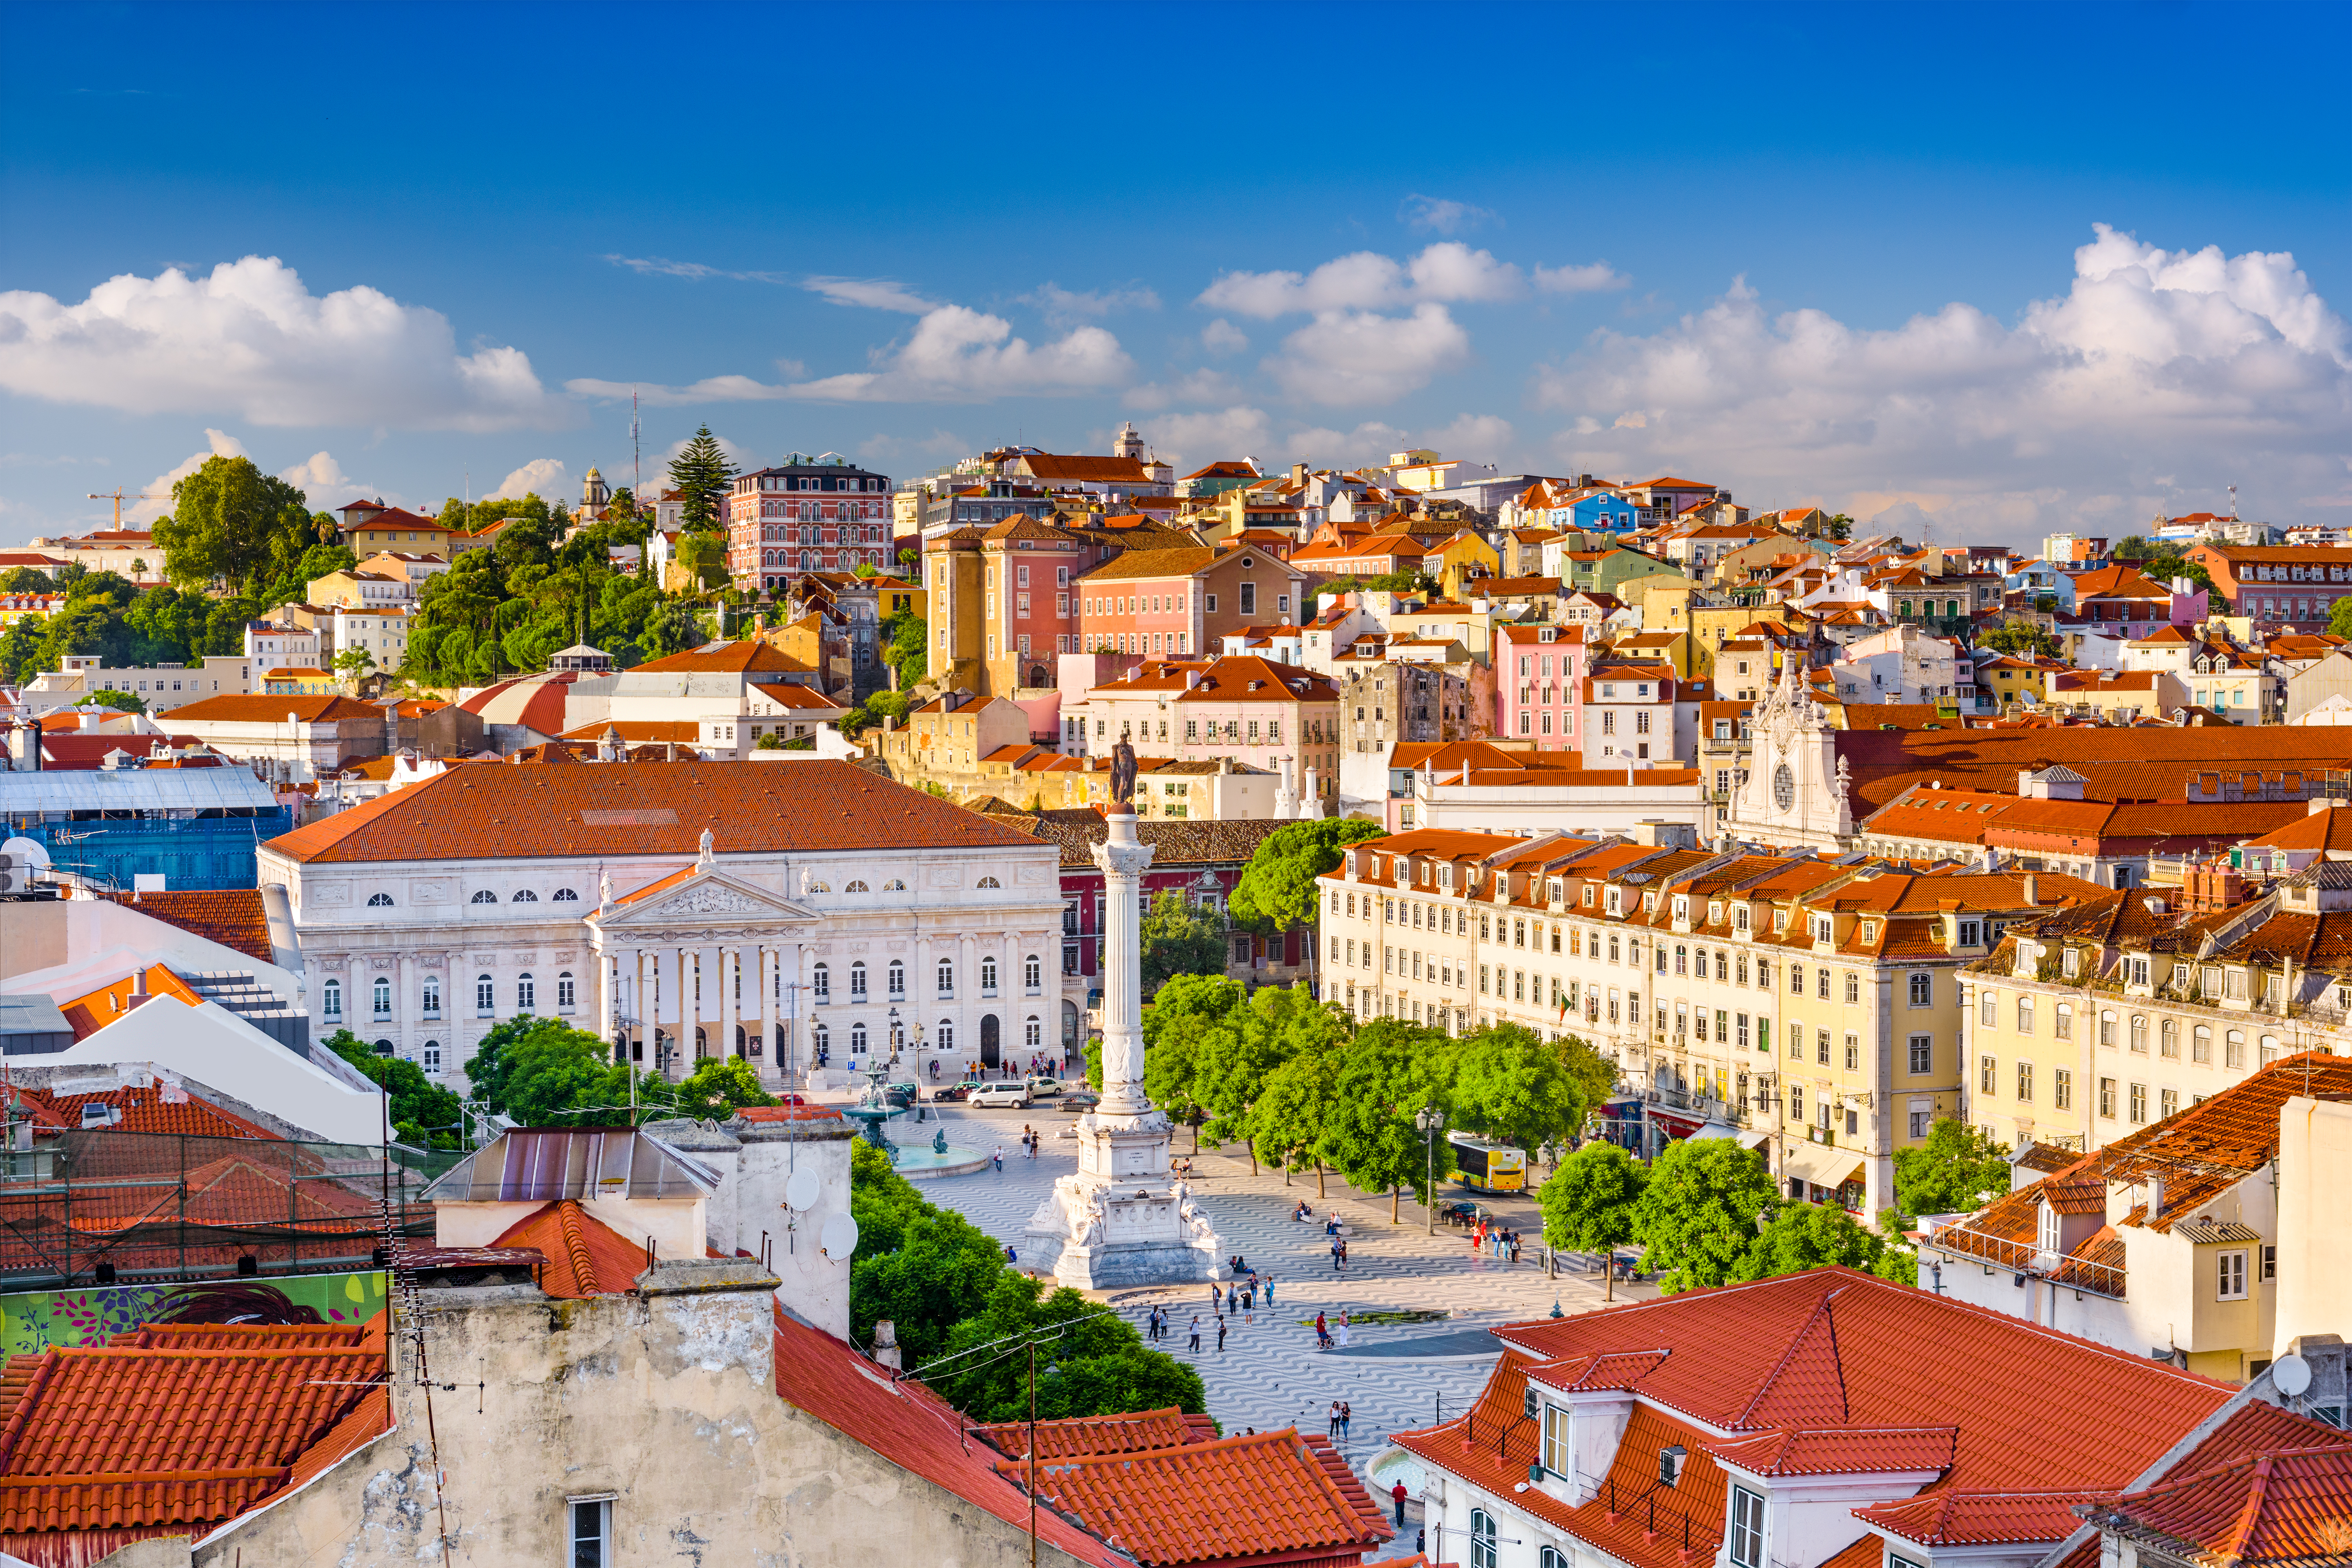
(1122, 774)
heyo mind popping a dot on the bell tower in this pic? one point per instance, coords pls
(1795, 791)
(1129, 444)
(594, 495)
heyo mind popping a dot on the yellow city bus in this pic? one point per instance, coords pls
(1489, 1167)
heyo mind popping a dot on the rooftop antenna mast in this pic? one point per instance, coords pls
(2233, 503)
(637, 456)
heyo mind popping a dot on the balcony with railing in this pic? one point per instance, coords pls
(2074, 1273)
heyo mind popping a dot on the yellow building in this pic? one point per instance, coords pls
(2018, 678)
(1457, 561)
(297, 680)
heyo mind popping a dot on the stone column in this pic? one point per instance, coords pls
(727, 1007)
(1122, 859)
(403, 1044)
(690, 1004)
(607, 983)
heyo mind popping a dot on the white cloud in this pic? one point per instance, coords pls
(1358, 357)
(1195, 386)
(1441, 215)
(1592, 279)
(1221, 337)
(220, 444)
(869, 293)
(1371, 442)
(2158, 378)
(939, 445)
(661, 266)
(252, 340)
(1474, 439)
(1190, 441)
(956, 354)
(1452, 270)
(1064, 307)
(318, 471)
(543, 477)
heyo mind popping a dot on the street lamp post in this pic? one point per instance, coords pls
(1429, 1121)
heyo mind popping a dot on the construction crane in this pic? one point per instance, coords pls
(117, 498)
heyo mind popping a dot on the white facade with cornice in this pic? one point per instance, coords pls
(1797, 789)
(771, 955)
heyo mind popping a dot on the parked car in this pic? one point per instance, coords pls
(1007, 1093)
(1044, 1087)
(1079, 1101)
(952, 1091)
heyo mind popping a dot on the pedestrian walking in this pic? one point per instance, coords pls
(1347, 1413)
(1336, 1245)
(1221, 1336)
(1196, 1332)
(1216, 1300)
(1270, 1292)
(1334, 1431)
(1343, 1255)
(1398, 1492)
(997, 1155)
(1322, 1331)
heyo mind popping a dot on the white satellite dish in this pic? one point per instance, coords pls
(2291, 1374)
(839, 1237)
(27, 851)
(801, 1190)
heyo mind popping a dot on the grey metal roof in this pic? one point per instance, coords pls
(542, 1164)
(134, 789)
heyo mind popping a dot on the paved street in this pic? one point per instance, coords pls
(1270, 1373)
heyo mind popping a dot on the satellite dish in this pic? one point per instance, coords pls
(30, 851)
(839, 1237)
(2291, 1374)
(802, 1189)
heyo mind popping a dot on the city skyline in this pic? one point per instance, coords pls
(1978, 299)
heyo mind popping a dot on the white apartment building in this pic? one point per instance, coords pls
(271, 645)
(163, 686)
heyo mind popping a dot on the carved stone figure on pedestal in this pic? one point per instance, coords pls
(1123, 1219)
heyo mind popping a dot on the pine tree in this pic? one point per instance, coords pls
(702, 476)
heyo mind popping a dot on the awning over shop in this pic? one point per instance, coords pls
(1747, 1140)
(1822, 1166)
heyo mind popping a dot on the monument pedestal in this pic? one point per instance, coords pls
(1123, 1219)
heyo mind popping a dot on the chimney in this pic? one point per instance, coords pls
(2030, 889)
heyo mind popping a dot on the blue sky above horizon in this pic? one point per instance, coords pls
(1990, 270)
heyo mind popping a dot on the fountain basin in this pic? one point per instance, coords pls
(921, 1162)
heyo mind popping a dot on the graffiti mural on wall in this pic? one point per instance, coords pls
(39, 1320)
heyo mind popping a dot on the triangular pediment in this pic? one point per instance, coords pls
(701, 894)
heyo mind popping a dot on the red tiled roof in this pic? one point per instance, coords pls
(1840, 1450)
(643, 809)
(308, 709)
(89, 1014)
(1117, 1433)
(2286, 1507)
(727, 658)
(1944, 1518)
(907, 1423)
(1273, 1492)
(586, 1256)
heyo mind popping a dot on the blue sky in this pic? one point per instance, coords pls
(1847, 254)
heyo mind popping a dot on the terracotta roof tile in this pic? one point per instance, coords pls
(309, 709)
(646, 808)
(2281, 1507)
(746, 657)
(1840, 1450)
(1947, 1518)
(1124, 1432)
(586, 1256)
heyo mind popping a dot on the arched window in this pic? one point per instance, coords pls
(2167, 1035)
(384, 1048)
(897, 981)
(430, 1058)
(894, 886)
(945, 1035)
(857, 888)
(1033, 1034)
(432, 996)
(1032, 973)
(858, 981)
(989, 882)
(2139, 1032)
(988, 977)
(330, 999)
(2107, 1027)
(1550, 1557)
(567, 992)
(820, 983)
(820, 887)
(486, 996)
(947, 977)
(2200, 1044)
(524, 896)
(564, 896)
(382, 997)
(485, 897)
(380, 901)
(857, 1040)
(1482, 1539)
(526, 994)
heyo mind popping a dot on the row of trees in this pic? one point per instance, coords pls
(1302, 1086)
(947, 1288)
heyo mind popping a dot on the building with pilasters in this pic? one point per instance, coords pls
(687, 909)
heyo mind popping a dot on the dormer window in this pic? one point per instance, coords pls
(2138, 970)
(1970, 933)
(1682, 908)
(2047, 1229)
(1740, 918)
(2071, 965)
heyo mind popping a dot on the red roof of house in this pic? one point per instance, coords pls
(643, 809)
(1124, 1432)
(727, 658)
(232, 917)
(1247, 1496)
(586, 1256)
(2288, 1507)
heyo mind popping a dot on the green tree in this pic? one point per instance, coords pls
(121, 701)
(2021, 637)
(2339, 617)
(354, 663)
(1589, 1203)
(909, 651)
(672, 628)
(925, 1269)
(1956, 1171)
(719, 1086)
(1286, 1123)
(1696, 1217)
(1278, 889)
(1176, 940)
(1798, 1236)
(1182, 1012)
(702, 476)
(232, 522)
(1234, 1063)
(1385, 1075)
(542, 1072)
(1505, 1081)
(1090, 1360)
(424, 1115)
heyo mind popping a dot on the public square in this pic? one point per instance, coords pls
(1428, 1298)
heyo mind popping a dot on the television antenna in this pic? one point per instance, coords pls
(637, 456)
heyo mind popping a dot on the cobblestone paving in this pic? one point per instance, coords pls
(1269, 1373)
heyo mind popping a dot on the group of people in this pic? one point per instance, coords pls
(1494, 1241)
(1329, 1335)
(1030, 1138)
(1340, 1416)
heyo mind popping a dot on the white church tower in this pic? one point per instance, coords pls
(1796, 789)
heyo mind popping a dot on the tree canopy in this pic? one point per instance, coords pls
(1508, 1082)
(542, 1072)
(1696, 1216)
(702, 476)
(1590, 1202)
(1956, 1171)
(1278, 889)
(424, 1115)
(1179, 940)
(231, 521)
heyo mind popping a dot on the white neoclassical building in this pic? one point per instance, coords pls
(771, 911)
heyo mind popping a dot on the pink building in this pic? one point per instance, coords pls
(1272, 716)
(823, 516)
(1538, 684)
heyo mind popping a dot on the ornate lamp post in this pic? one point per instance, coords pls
(1429, 1121)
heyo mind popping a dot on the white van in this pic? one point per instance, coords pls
(1010, 1091)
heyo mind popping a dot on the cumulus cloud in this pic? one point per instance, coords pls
(1062, 308)
(1197, 386)
(251, 339)
(219, 443)
(1370, 442)
(1448, 272)
(1594, 278)
(955, 355)
(1195, 440)
(1345, 357)
(543, 477)
(1474, 439)
(1442, 215)
(1221, 337)
(318, 471)
(2157, 379)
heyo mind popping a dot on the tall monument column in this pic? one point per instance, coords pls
(1123, 1219)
